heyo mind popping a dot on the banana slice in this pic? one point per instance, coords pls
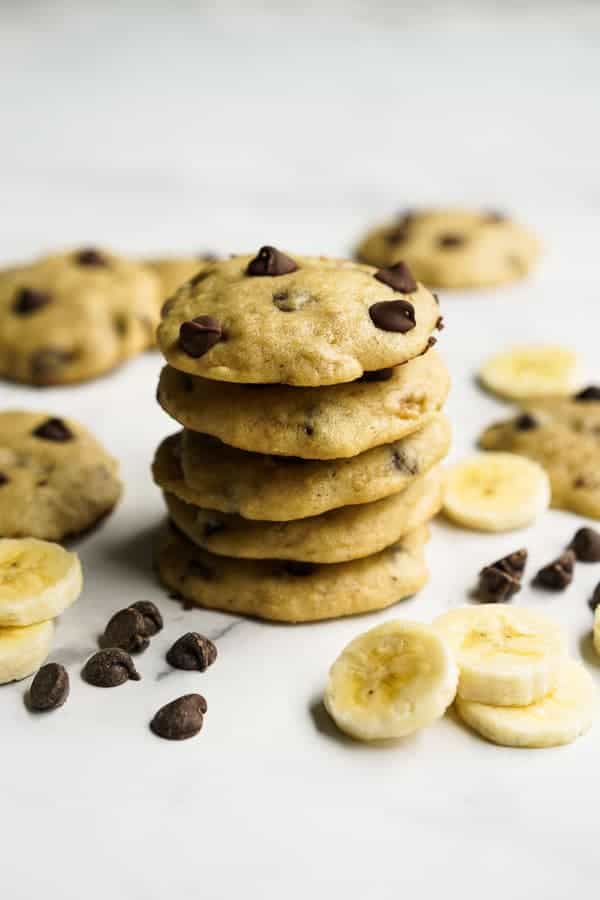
(496, 492)
(596, 634)
(507, 655)
(559, 718)
(23, 650)
(533, 371)
(390, 681)
(38, 580)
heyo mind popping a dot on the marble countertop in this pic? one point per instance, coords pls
(170, 126)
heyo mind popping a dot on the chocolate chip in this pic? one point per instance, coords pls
(197, 336)
(525, 422)
(400, 462)
(29, 300)
(45, 362)
(513, 564)
(586, 545)
(595, 598)
(440, 323)
(592, 392)
(558, 574)
(450, 240)
(308, 430)
(89, 256)
(127, 631)
(496, 585)
(153, 621)
(53, 430)
(109, 668)
(301, 569)
(271, 262)
(377, 375)
(180, 719)
(192, 651)
(393, 315)
(49, 689)
(398, 277)
(4, 479)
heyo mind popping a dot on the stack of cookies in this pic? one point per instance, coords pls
(307, 469)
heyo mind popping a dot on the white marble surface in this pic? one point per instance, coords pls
(179, 125)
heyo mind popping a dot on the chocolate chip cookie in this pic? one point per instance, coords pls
(56, 480)
(451, 248)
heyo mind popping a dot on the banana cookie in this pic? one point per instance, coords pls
(329, 423)
(563, 436)
(451, 248)
(204, 472)
(297, 321)
(287, 591)
(73, 316)
(56, 480)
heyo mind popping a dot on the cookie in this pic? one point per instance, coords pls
(56, 480)
(563, 435)
(304, 321)
(329, 423)
(293, 591)
(340, 535)
(73, 316)
(173, 271)
(450, 248)
(204, 472)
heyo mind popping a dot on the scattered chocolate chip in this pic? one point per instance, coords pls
(595, 598)
(53, 430)
(376, 375)
(558, 574)
(396, 236)
(44, 363)
(398, 277)
(592, 392)
(109, 668)
(496, 585)
(450, 241)
(89, 256)
(126, 630)
(393, 315)
(4, 479)
(271, 262)
(180, 719)
(301, 569)
(29, 300)
(440, 323)
(49, 689)
(197, 336)
(192, 651)
(525, 422)
(153, 621)
(513, 564)
(586, 545)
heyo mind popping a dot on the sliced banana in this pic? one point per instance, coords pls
(390, 681)
(506, 655)
(496, 492)
(533, 371)
(38, 580)
(559, 718)
(24, 650)
(596, 633)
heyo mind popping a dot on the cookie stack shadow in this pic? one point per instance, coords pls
(299, 503)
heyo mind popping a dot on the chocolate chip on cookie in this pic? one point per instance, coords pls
(451, 241)
(588, 394)
(49, 689)
(89, 256)
(398, 277)
(192, 651)
(558, 574)
(393, 315)
(198, 335)
(4, 479)
(53, 430)
(110, 668)
(182, 718)
(29, 301)
(46, 365)
(525, 422)
(396, 236)
(586, 545)
(271, 262)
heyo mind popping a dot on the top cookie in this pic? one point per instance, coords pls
(453, 248)
(69, 317)
(304, 321)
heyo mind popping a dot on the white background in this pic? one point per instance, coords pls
(182, 126)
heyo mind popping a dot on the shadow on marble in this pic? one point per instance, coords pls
(136, 552)
(326, 726)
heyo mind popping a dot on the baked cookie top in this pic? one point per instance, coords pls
(332, 422)
(71, 316)
(452, 248)
(303, 321)
(56, 480)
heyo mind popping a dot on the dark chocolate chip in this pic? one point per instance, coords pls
(579, 482)
(109, 668)
(53, 430)
(592, 392)
(513, 564)
(153, 621)
(4, 479)
(197, 336)
(308, 430)
(29, 300)
(451, 240)
(89, 256)
(393, 315)
(49, 689)
(496, 585)
(558, 574)
(525, 422)
(180, 719)
(398, 277)
(377, 375)
(586, 545)
(440, 323)
(301, 569)
(126, 630)
(44, 363)
(271, 262)
(192, 651)
(595, 598)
